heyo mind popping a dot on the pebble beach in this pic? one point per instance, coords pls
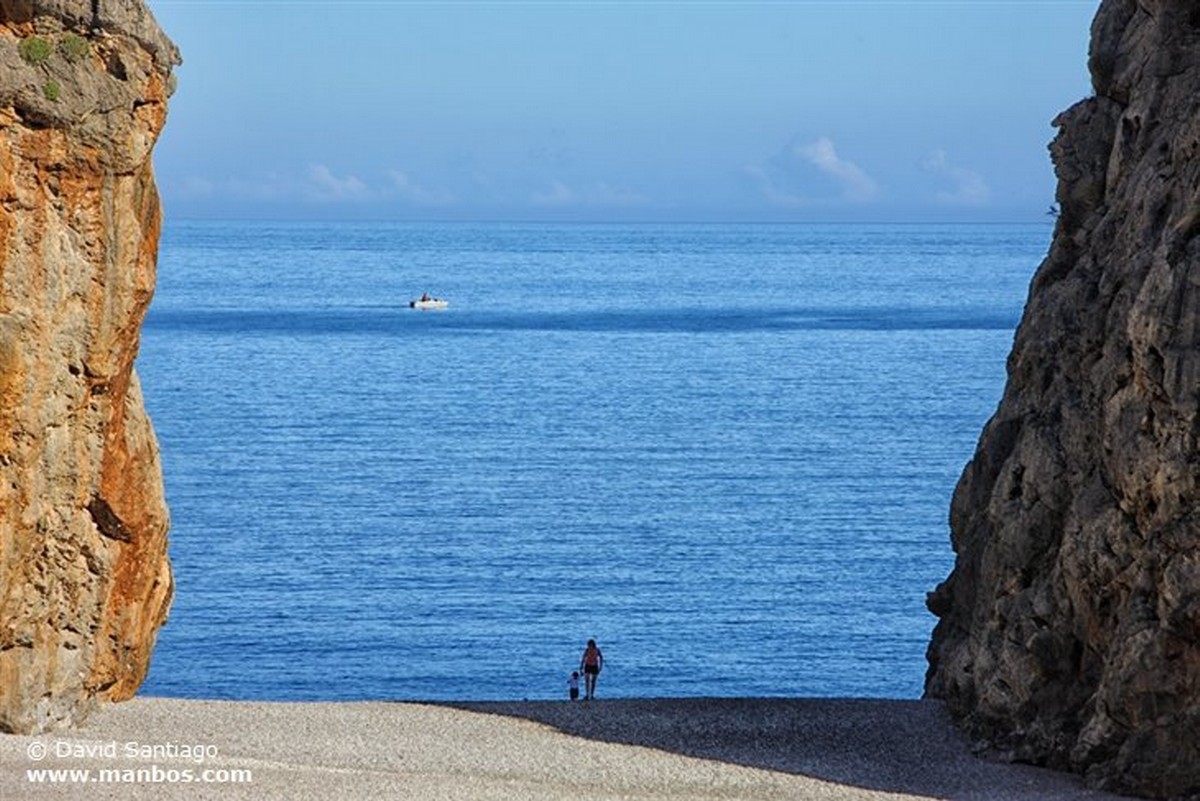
(652, 749)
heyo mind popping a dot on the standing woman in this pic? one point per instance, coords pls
(591, 664)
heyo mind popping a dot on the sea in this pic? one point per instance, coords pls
(724, 452)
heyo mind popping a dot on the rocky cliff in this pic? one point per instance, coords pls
(1069, 630)
(84, 578)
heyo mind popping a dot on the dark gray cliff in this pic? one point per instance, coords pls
(1069, 631)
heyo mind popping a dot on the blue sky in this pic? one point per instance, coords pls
(619, 111)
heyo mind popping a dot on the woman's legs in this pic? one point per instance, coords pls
(589, 681)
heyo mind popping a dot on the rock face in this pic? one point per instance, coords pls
(84, 578)
(1069, 630)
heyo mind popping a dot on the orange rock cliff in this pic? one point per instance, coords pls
(85, 582)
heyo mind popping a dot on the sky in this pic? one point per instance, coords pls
(794, 110)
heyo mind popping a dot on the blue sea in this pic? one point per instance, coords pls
(726, 452)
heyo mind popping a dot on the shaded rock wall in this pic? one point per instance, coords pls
(84, 578)
(1069, 630)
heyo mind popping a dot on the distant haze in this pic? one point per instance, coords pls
(618, 111)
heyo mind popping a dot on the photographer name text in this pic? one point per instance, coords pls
(197, 753)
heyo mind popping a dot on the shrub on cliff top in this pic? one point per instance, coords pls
(35, 49)
(74, 47)
(51, 89)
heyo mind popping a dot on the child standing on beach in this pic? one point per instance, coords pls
(573, 685)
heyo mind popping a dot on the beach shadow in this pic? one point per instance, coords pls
(906, 747)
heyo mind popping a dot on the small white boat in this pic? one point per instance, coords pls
(426, 303)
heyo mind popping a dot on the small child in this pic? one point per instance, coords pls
(573, 685)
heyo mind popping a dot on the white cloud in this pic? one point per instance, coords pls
(965, 187)
(771, 190)
(855, 184)
(412, 192)
(323, 186)
(603, 194)
(559, 194)
(266, 187)
(806, 174)
(317, 184)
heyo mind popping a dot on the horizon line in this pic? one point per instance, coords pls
(532, 221)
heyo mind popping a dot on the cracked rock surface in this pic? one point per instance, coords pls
(1069, 631)
(85, 582)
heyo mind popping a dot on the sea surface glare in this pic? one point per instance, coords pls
(724, 451)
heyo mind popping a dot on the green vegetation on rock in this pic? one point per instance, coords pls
(51, 89)
(35, 49)
(74, 47)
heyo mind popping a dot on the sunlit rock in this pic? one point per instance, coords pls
(84, 579)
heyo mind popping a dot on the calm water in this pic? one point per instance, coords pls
(725, 452)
